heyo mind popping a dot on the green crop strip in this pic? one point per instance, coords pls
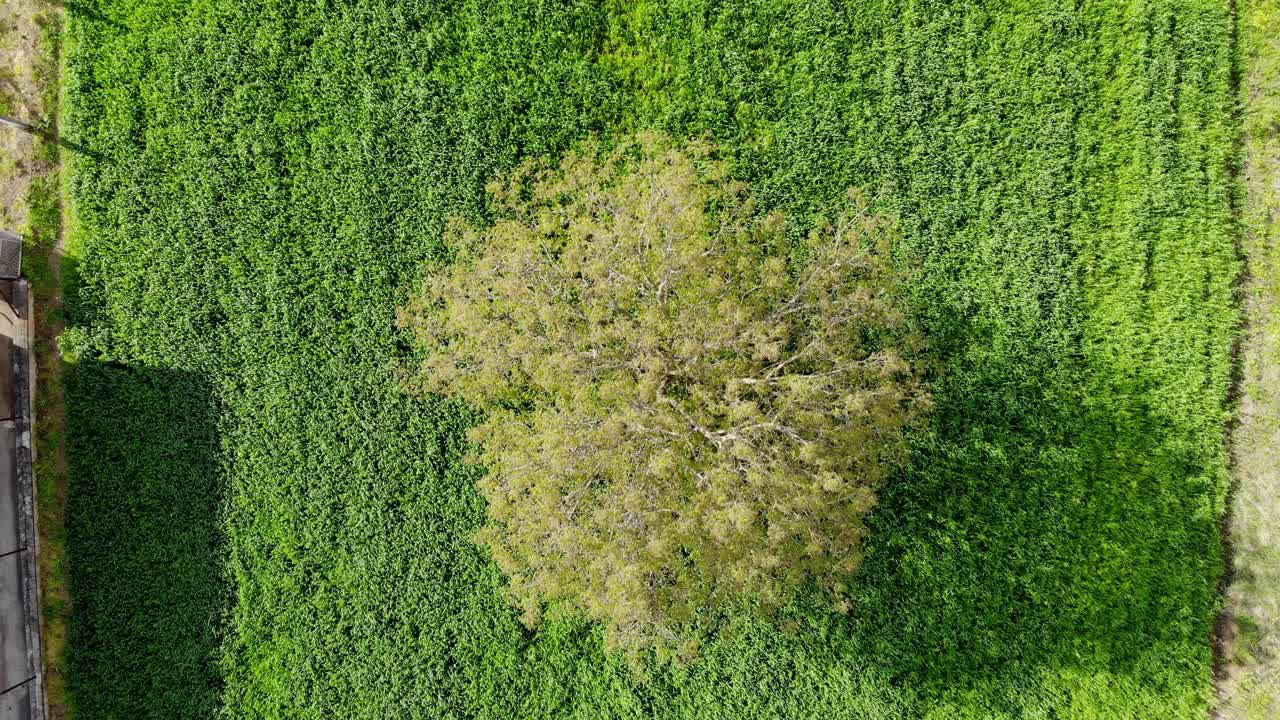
(260, 182)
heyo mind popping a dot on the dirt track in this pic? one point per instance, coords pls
(1249, 679)
(19, 38)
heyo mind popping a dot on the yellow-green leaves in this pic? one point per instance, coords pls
(709, 417)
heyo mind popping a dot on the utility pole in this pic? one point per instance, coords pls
(32, 129)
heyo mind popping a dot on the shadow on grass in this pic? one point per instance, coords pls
(144, 542)
(85, 10)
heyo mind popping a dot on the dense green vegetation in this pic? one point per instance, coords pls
(267, 179)
(144, 534)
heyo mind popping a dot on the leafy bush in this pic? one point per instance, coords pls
(708, 419)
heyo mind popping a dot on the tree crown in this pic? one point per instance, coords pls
(680, 410)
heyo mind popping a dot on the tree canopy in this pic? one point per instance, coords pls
(682, 408)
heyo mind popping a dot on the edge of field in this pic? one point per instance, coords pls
(33, 172)
(50, 438)
(1249, 682)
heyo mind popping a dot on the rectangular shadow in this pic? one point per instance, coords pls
(144, 542)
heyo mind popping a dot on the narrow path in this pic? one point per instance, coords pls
(1249, 682)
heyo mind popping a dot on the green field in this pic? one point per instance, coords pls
(263, 525)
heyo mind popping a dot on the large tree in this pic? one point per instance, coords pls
(683, 408)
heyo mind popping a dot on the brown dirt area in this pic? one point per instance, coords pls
(19, 98)
(1249, 682)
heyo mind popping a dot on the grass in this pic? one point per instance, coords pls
(42, 268)
(1251, 687)
(159, 501)
(269, 178)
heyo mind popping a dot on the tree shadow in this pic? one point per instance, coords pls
(144, 542)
